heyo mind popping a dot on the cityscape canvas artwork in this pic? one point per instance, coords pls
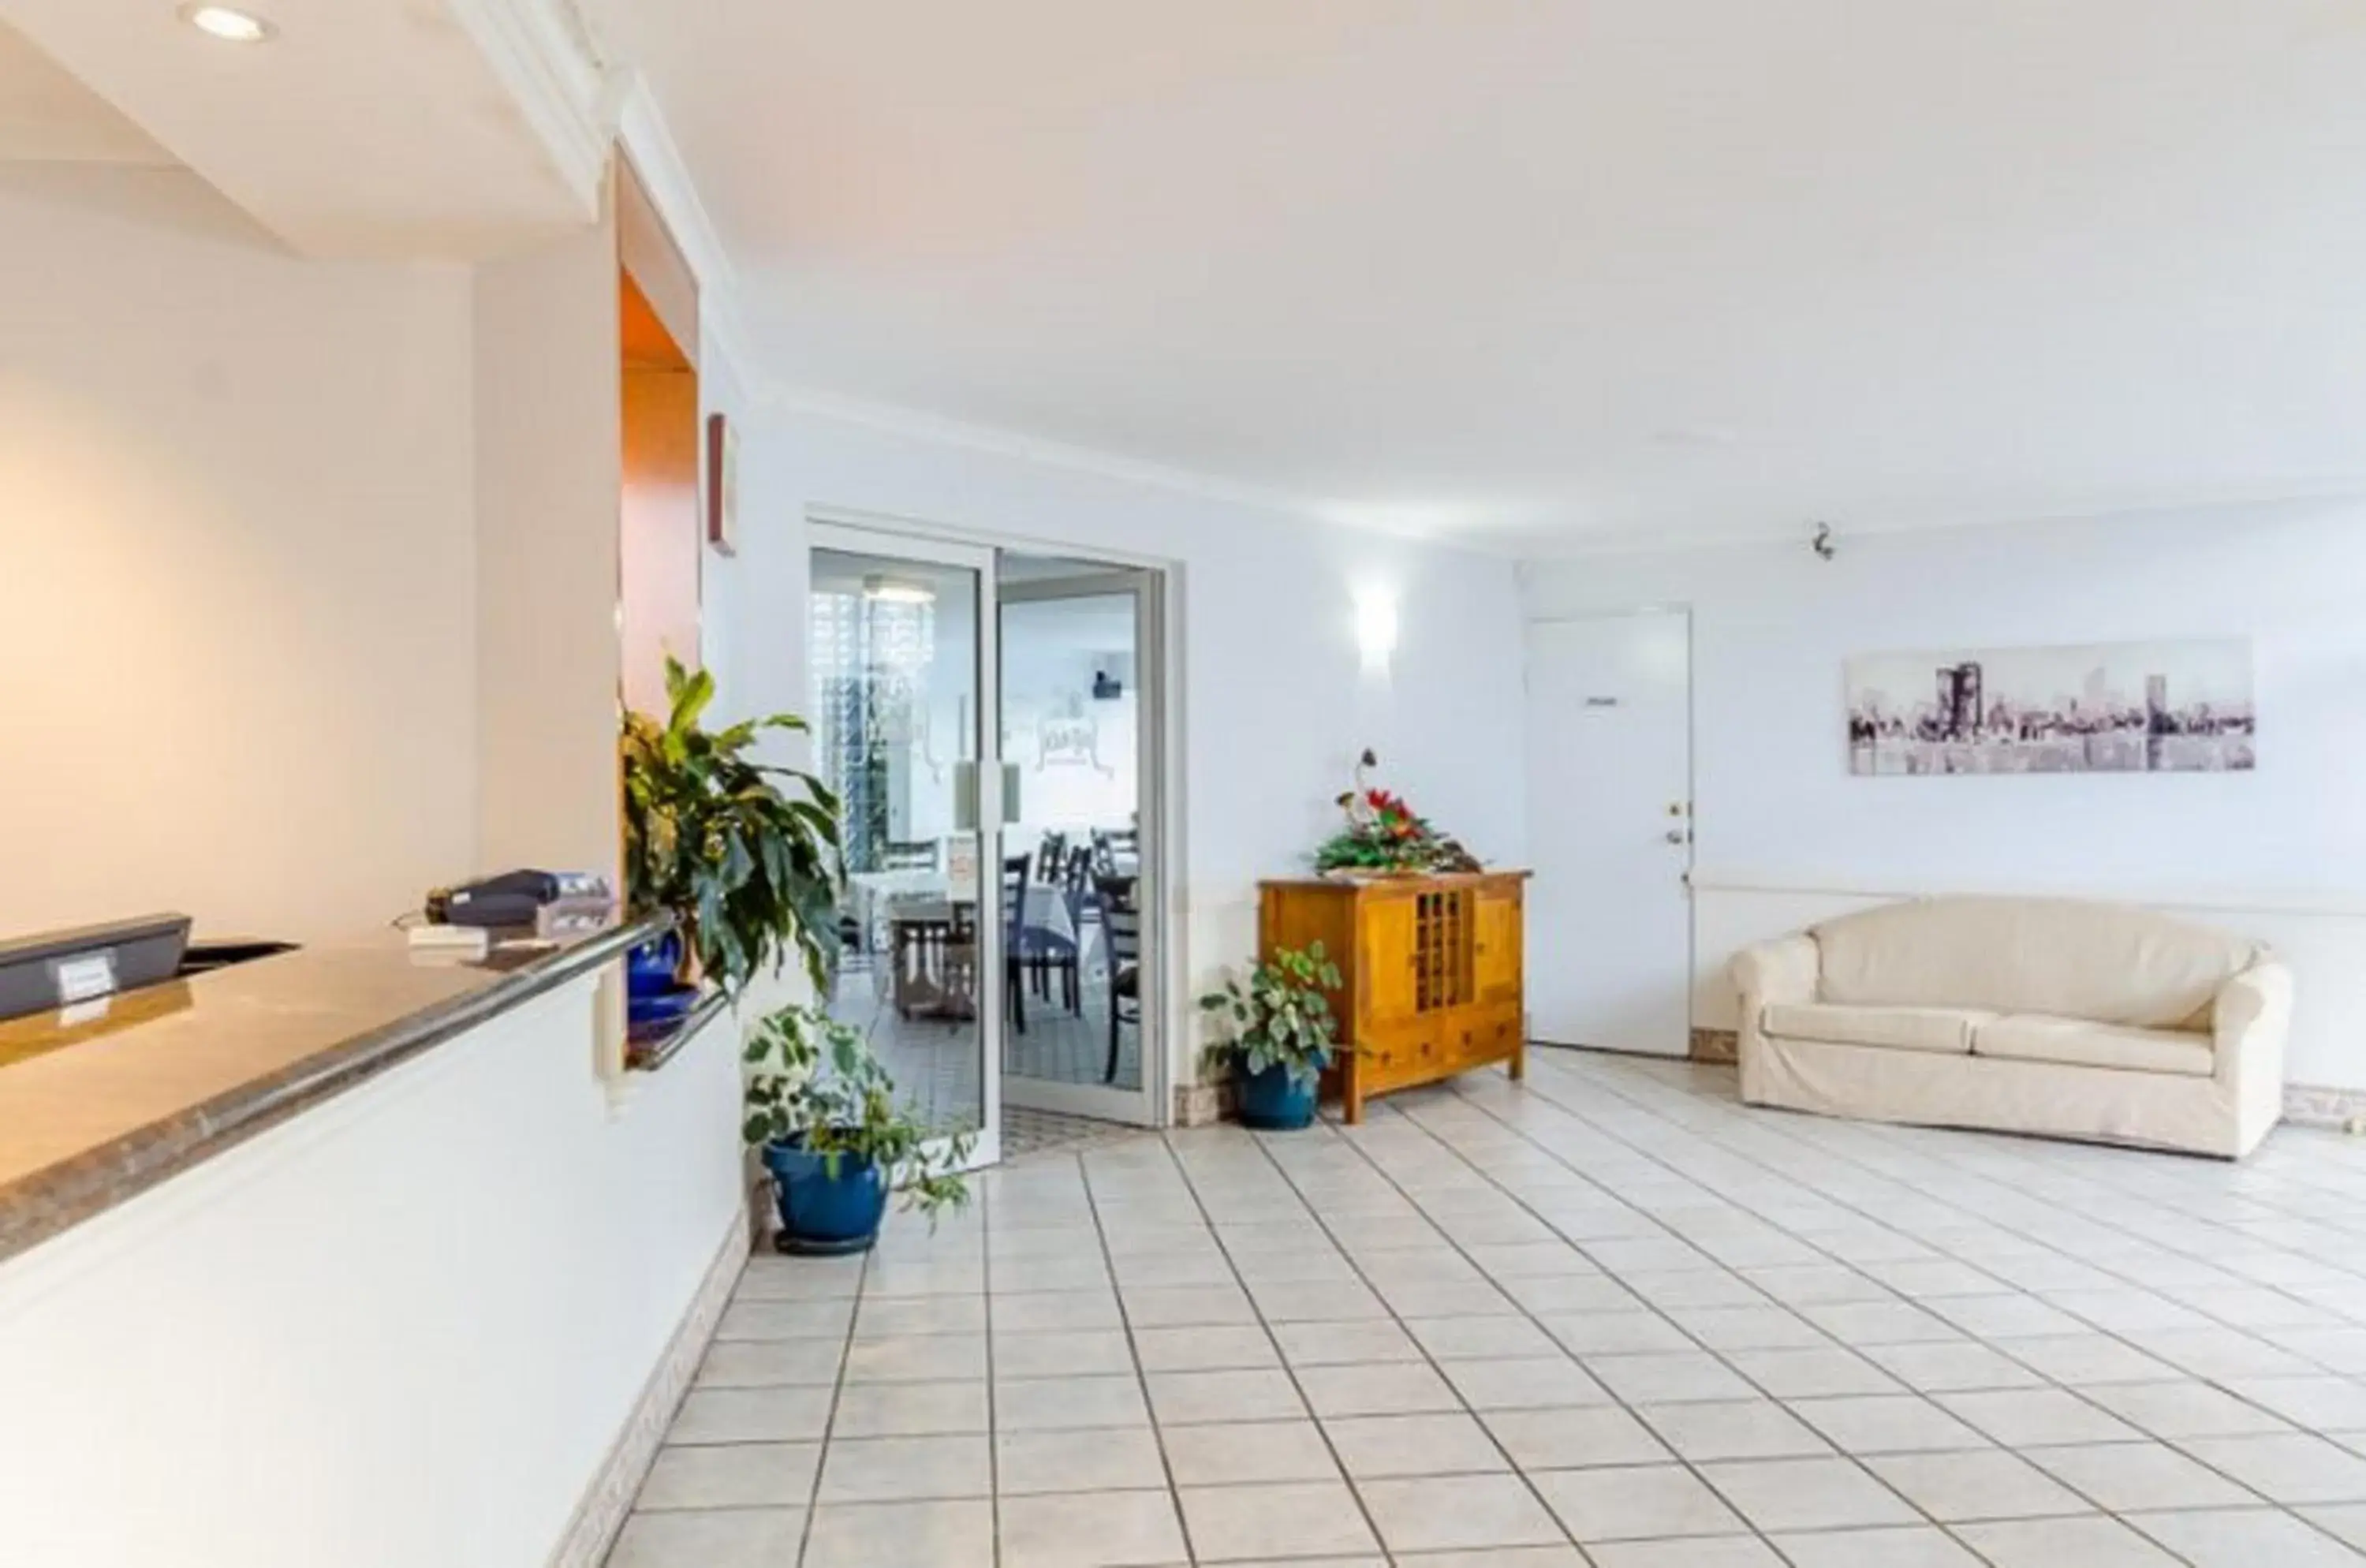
(2122, 707)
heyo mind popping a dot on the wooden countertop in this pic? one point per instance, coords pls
(99, 1103)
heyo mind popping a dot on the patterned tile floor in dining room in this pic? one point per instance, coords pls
(1613, 1319)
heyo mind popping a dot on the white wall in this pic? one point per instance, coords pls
(1786, 835)
(401, 1329)
(1275, 701)
(237, 643)
(548, 477)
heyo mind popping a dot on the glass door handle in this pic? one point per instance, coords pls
(965, 798)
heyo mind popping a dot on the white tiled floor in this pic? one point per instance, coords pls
(935, 1062)
(1613, 1319)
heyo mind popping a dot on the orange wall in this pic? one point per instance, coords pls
(661, 530)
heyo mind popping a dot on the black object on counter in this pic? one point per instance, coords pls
(57, 969)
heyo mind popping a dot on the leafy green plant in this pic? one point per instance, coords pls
(813, 1080)
(1281, 1017)
(748, 869)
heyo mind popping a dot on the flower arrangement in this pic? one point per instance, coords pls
(1385, 836)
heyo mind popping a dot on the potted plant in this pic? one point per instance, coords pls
(823, 1115)
(747, 868)
(1278, 1035)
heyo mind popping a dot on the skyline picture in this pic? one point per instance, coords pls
(2123, 707)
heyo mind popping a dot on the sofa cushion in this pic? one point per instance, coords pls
(2105, 962)
(2030, 1037)
(1907, 1029)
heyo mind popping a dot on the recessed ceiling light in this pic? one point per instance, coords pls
(229, 23)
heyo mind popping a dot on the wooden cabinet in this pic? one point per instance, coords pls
(1430, 972)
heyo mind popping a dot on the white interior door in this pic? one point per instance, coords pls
(1609, 916)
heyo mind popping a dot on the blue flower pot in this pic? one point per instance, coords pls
(650, 968)
(822, 1213)
(650, 1015)
(1275, 1100)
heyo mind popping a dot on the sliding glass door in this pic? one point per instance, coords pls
(901, 660)
(1080, 723)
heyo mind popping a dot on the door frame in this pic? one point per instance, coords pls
(1166, 918)
(1692, 795)
(1138, 1106)
(855, 539)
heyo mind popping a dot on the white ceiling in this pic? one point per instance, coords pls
(48, 117)
(1555, 271)
(447, 128)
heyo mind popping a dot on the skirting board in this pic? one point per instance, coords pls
(609, 1499)
(2305, 1105)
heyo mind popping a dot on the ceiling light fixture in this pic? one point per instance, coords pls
(229, 23)
(888, 590)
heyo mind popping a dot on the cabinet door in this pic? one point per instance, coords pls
(1385, 957)
(1495, 953)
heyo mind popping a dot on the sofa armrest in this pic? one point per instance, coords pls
(1780, 971)
(2251, 1016)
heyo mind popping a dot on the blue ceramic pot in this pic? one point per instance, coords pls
(650, 968)
(822, 1212)
(657, 1011)
(1275, 1100)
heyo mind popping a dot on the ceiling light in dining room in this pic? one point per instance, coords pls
(891, 590)
(229, 23)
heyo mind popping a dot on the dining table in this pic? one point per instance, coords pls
(927, 974)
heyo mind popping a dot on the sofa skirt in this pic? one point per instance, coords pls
(2153, 1110)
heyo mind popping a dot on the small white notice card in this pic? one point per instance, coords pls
(79, 980)
(961, 867)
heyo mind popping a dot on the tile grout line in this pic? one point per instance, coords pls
(1522, 1312)
(1476, 1417)
(830, 1422)
(1703, 1156)
(993, 1401)
(1837, 1450)
(2017, 1451)
(1999, 1346)
(1288, 1369)
(1133, 1354)
(1942, 1526)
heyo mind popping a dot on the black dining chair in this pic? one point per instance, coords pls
(1051, 857)
(1014, 939)
(1044, 953)
(1122, 939)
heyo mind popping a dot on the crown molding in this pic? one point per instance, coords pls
(1545, 548)
(895, 420)
(544, 55)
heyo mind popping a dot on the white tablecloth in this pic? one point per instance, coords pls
(921, 895)
(869, 893)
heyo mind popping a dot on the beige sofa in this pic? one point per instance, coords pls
(2075, 1020)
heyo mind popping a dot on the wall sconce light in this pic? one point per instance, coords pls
(1376, 627)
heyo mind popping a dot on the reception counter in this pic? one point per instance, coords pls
(347, 1256)
(101, 1102)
